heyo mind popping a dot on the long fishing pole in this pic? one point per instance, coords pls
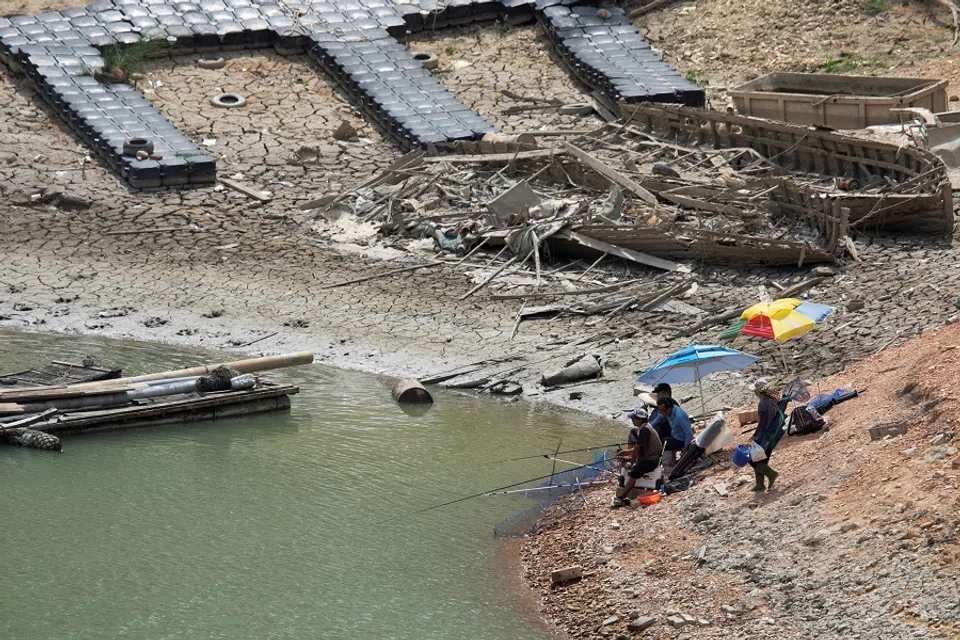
(554, 467)
(475, 495)
(547, 455)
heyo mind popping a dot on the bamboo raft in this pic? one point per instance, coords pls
(58, 373)
(96, 399)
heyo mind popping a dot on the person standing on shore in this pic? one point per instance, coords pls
(768, 432)
(642, 455)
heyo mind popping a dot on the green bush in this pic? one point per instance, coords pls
(875, 7)
(126, 61)
(843, 64)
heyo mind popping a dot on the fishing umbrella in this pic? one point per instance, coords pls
(782, 320)
(692, 363)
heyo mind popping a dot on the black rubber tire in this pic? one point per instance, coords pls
(427, 59)
(213, 62)
(133, 145)
(228, 101)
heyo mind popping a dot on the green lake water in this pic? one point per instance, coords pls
(272, 526)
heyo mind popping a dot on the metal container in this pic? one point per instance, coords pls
(836, 101)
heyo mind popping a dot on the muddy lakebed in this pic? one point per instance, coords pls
(295, 524)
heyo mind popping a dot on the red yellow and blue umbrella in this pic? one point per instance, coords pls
(779, 320)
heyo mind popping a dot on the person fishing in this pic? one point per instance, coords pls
(680, 428)
(642, 454)
(657, 420)
(768, 432)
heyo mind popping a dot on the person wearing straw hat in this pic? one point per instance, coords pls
(642, 454)
(768, 432)
(659, 423)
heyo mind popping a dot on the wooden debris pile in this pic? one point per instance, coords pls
(663, 184)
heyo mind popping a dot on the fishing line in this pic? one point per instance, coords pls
(547, 455)
(475, 495)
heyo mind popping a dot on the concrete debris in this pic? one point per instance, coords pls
(641, 624)
(577, 369)
(880, 431)
(346, 132)
(566, 574)
(506, 208)
(609, 621)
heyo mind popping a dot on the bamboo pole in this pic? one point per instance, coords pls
(250, 365)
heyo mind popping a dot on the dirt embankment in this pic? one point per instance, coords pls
(858, 539)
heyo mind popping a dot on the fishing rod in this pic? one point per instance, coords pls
(566, 485)
(475, 495)
(547, 455)
(586, 466)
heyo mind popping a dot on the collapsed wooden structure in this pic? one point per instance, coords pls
(820, 184)
(888, 187)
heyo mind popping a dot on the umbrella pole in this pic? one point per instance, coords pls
(703, 408)
(783, 356)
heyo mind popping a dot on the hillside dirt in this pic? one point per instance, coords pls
(857, 540)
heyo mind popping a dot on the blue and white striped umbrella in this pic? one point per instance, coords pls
(694, 362)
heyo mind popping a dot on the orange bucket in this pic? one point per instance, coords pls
(652, 497)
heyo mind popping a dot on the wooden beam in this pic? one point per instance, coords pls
(383, 274)
(492, 158)
(256, 194)
(620, 252)
(611, 174)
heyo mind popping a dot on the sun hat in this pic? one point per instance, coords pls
(640, 413)
(647, 399)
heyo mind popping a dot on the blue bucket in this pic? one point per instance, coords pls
(741, 456)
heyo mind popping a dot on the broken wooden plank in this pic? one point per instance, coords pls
(611, 174)
(384, 273)
(566, 574)
(791, 292)
(726, 316)
(487, 281)
(680, 289)
(10, 408)
(851, 248)
(492, 158)
(620, 252)
(406, 161)
(256, 194)
(26, 422)
(576, 292)
(880, 431)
